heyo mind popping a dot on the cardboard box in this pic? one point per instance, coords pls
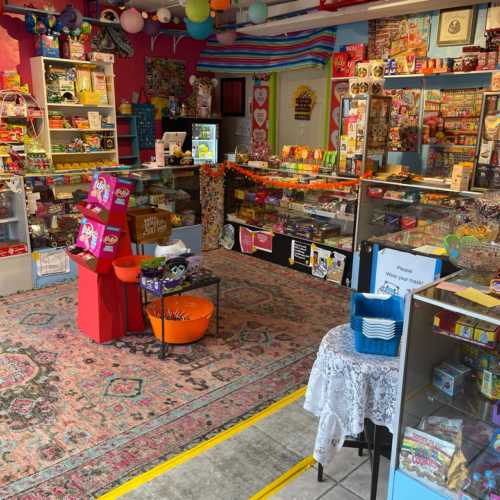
(101, 57)
(47, 46)
(71, 48)
(486, 333)
(149, 225)
(465, 327)
(98, 239)
(461, 176)
(448, 379)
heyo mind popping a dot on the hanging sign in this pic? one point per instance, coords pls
(260, 110)
(304, 99)
(397, 273)
(340, 89)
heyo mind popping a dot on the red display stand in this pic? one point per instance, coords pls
(101, 299)
(101, 296)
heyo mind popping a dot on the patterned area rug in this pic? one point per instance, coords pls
(78, 418)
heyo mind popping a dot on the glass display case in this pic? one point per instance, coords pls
(447, 439)
(320, 216)
(486, 168)
(410, 217)
(364, 133)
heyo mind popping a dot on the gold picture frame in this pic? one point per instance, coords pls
(456, 26)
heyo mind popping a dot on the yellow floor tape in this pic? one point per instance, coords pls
(202, 447)
(284, 479)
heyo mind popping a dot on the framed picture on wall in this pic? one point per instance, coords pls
(456, 26)
(232, 96)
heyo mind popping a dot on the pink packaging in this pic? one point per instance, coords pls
(97, 238)
(110, 192)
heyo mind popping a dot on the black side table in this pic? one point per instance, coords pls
(201, 279)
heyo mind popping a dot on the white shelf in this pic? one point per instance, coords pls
(17, 256)
(77, 105)
(73, 61)
(105, 151)
(452, 73)
(82, 129)
(8, 220)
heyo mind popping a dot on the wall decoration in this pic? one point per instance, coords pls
(164, 77)
(456, 26)
(304, 99)
(340, 89)
(260, 111)
(402, 36)
(493, 18)
(232, 96)
(145, 124)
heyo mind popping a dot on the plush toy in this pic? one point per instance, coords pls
(200, 100)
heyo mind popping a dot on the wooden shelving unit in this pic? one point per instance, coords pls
(66, 135)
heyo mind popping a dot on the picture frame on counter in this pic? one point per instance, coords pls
(456, 26)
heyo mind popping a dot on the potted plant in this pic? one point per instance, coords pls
(153, 268)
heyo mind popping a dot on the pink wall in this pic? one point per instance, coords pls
(17, 47)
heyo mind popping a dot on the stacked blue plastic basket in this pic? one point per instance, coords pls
(377, 321)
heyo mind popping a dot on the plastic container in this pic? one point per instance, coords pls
(382, 306)
(128, 269)
(197, 312)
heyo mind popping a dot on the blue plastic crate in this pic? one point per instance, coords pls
(369, 305)
(366, 345)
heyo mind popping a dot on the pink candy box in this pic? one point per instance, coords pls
(110, 192)
(98, 239)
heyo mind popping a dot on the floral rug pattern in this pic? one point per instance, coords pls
(78, 418)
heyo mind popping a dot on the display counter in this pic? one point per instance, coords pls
(446, 443)
(322, 218)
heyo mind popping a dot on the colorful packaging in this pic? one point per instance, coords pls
(101, 57)
(339, 67)
(47, 46)
(486, 333)
(110, 192)
(448, 378)
(71, 48)
(99, 85)
(11, 80)
(465, 327)
(98, 239)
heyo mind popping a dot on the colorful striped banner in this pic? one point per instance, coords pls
(251, 54)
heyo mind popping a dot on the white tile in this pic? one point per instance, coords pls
(339, 493)
(305, 487)
(344, 462)
(359, 481)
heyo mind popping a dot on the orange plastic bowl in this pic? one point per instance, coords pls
(127, 269)
(195, 313)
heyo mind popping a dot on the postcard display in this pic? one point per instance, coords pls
(102, 237)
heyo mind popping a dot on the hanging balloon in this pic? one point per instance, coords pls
(257, 12)
(131, 21)
(220, 4)
(30, 22)
(86, 28)
(71, 18)
(227, 37)
(151, 27)
(164, 15)
(197, 11)
(199, 31)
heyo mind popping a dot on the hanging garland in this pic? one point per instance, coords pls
(269, 181)
(211, 171)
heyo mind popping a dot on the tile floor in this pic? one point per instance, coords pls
(247, 462)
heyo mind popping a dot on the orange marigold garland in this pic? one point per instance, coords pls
(269, 181)
(211, 171)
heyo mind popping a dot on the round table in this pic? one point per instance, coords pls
(345, 387)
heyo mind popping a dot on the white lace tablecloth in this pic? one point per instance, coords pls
(345, 387)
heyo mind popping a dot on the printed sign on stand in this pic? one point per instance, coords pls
(250, 241)
(300, 253)
(397, 273)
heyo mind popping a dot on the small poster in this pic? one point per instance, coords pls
(53, 262)
(304, 99)
(250, 241)
(320, 259)
(246, 240)
(300, 253)
(397, 273)
(260, 110)
(336, 266)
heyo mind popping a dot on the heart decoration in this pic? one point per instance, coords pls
(260, 116)
(259, 135)
(260, 95)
